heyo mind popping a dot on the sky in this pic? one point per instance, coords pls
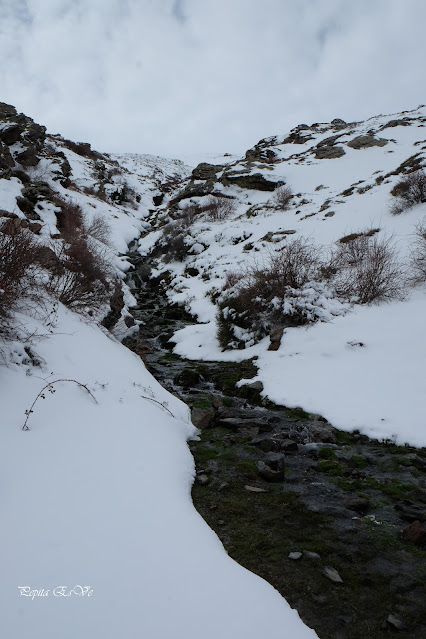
(175, 77)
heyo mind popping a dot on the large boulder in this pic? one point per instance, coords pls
(255, 181)
(366, 141)
(205, 171)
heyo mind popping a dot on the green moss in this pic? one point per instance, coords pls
(330, 467)
(326, 453)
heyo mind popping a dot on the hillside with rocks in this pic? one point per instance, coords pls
(249, 329)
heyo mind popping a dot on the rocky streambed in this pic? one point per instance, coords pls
(333, 520)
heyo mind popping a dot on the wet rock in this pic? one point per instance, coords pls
(267, 473)
(332, 574)
(358, 504)
(415, 533)
(409, 511)
(366, 141)
(202, 418)
(187, 378)
(240, 422)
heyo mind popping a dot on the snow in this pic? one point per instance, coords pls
(378, 388)
(100, 537)
(97, 496)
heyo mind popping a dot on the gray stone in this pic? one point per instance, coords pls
(255, 181)
(205, 171)
(358, 504)
(294, 555)
(396, 622)
(329, 152)
(311, 555)
(255, 489)
(202, 479)
(267, 473)
(366, 141)
(202, 418)
(332, 574)
(11, 134)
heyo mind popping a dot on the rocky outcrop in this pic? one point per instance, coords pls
(251, 181)
(366, 141)
(205, 171)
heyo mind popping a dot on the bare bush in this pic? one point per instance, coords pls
(219, 208)
(409, 191)
(367, 270)
(69, 218)
(18, 269)
(418, 255)
(282, 197)
(99, 229)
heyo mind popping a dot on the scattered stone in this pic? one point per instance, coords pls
(221, 522)
(255, 489)
(256, 386)
(267, 473)
(415, 533)
(332, 574)
(223, 486)
(396, 622)
(202, 479)
(275, 460)
(311, 555)
(294, 555)
(288, 445)
(358, 504)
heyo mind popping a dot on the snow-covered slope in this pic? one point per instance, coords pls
(99, 535)
(363, 369)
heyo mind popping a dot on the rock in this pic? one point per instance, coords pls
(311, 555)
(129, 321)
(202, 418)
(12, 134)
(240, 422)
(266, 444)
(255, 181)
(158, 199)
(338, 122)
(322, 432)
(205, 171)
(415, 533)
(409, 511)
(255, 489)
(366, 141)
(202, 479)
(332, 574)
(329, 152)
(28, 157)
(288, 445)
(358, 504)
(187, 378)
(294, 555)
(275, 338)
(396, 622)
(275, 460)
(255, 386)
(267, 473)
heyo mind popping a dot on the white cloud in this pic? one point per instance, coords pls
(175, 76)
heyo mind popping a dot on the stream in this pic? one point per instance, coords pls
(333, 520)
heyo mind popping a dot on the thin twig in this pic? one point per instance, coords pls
(157, 402)
(56, 381)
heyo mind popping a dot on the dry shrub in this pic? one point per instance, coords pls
(418, 255)
(409, 191)
(82, 276)
(219, 208)
(282, 197)
(19, 254)
(367, 269)
(175, 233)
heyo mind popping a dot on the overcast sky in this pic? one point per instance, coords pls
(173, 77)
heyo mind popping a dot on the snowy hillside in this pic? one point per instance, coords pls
(100, 537)
(361, 365)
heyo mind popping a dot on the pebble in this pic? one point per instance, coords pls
(294, 555)
(255, 489)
